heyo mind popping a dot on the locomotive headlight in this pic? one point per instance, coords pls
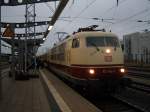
(107, 51)
(122, 70)
(91, 71)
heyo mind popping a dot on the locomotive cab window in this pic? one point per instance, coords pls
(102, 41)
(112, 41)
(75, 43)
(95, 41)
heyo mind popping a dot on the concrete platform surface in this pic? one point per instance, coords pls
(66, 98)
(23, 96)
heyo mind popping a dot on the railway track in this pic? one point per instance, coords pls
(113, 104)
(139, 73)
(137, 99)
(146, 69)
(140, 80)
(141, 87)
(129, 100)
(133, 99)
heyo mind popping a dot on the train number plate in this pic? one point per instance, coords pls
(108, 71)
(108, 58)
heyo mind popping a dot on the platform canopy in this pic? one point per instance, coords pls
(24, 25)
(22, 2)
(30, 42)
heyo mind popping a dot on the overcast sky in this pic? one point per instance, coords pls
(123, 19)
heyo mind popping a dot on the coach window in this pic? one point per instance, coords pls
(75, 43)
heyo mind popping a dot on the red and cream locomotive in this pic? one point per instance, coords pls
(89, 58)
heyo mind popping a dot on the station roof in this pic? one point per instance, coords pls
(30, 42)
(23, 2)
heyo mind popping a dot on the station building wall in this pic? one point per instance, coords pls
(137, 47)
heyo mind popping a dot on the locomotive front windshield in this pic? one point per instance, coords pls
(102, 41)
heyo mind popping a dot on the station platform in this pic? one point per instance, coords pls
(45, 93)
(65, 99)
(23, 96)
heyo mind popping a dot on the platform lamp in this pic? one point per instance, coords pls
(50, 27)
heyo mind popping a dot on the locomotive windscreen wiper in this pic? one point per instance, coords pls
(97, 49)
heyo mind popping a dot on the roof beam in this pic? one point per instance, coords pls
(56, 15)
(58, 11)
(29, 41)
(30, 34)
(24, 2)
(23, 25)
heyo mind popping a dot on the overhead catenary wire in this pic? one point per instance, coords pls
(144, 25)
(127, 18)
(134, 15)
(124, 19)
(52, 10)
(130, 17)
(136, 28)
(84, 9)
(90, 4)
(114, 6)
(117, 21)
